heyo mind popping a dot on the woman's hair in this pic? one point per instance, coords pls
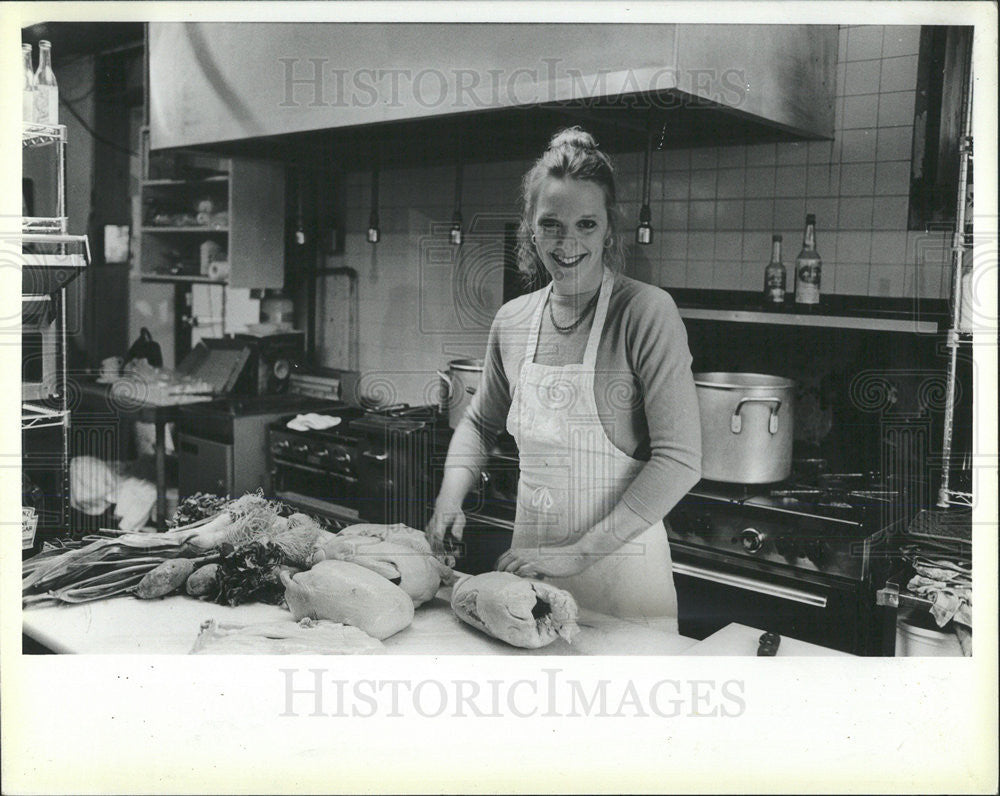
(572, 153)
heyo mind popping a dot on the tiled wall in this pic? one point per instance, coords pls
(714, 211)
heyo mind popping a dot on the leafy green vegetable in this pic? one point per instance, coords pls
(249, 573)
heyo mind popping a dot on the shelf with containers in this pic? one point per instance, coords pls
(202, 218)
(50, 259)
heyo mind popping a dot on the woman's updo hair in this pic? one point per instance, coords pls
(572, 152)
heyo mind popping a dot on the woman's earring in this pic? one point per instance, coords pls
(533, 238)
(609, 242)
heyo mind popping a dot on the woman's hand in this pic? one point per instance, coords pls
(554, 562)
(448, 518)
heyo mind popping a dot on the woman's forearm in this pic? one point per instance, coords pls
(466, 455)
(612, 534)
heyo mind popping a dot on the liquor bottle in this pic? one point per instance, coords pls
(32, 507)
(808, 267)
(775, 276)
(28, 95)
(46, 89)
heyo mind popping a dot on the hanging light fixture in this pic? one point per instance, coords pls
(644, 232)
(373, 227)
(455, 233)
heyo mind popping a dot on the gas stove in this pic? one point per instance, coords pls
(373, 465)
(801, 557)
(825, 524)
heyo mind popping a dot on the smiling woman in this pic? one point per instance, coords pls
(591, 375)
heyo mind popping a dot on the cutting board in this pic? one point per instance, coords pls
(736, 639)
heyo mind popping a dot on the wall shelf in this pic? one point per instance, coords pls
(187, 230)
(797, 319)
(35, 135)
(35, 416)
(837, 312)
(181, 278)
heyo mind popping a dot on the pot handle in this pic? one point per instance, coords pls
(451, 385)
(736, 421)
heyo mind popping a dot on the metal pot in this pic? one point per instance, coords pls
(459, 385)
(747, 421)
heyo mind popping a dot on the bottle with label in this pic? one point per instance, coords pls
(775, 276)
(808, 267)
(28, 95)
(32, 507)
(46, 89)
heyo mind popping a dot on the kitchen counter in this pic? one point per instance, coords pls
(737, 639)
(126, 625)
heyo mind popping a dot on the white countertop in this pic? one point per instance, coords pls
(125, 625)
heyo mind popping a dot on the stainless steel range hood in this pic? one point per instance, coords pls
(229, 82)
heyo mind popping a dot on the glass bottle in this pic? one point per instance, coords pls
(775, 276)
(32, 507)
(46, 89)
(808, 267)
(28, 95)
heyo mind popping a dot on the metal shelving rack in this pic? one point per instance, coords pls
(44, 277)
(961, 243)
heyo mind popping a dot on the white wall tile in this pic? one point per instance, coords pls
(673, 273)
(729, 246)
(676, 184)
(699, 274)
(901, 40)
(704, 158)
(792, 153)
(862, 77)
(891, 212)
(855, 212)
(887, 280)
(789, 213)
(851, 279)
(826, 211)
(762, 155)
(729, 214)
(790, 181)
(760, 182)
(701, 215)
(675, 215)
(864, 42)
(860, 111)
(895, 108)
(703, 184)
(854, 247)
(858, 146)
(727, 275)
(892, 178)
(701, 246)
(894, 143)
(731, 183)
(888, 248)
(898, 74)
(823, 180)
(758, 214)
(857, 179)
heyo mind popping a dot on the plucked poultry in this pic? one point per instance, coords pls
(343, 591)
(522, 612)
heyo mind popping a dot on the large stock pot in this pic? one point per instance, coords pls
(746, 426)
(459, 385)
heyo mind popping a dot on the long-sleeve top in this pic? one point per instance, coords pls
(643, 388)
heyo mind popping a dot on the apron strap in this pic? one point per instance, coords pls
(600, 314)
(536, 326)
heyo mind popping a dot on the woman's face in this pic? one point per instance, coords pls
(570, 225)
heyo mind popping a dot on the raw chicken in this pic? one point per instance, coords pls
(346, 592)
(524, 613)
(398, 533)
(418, 573)
(305, 637)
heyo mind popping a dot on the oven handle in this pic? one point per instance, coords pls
(505, 525)
(740, 582)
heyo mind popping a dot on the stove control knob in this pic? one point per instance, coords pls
(302, 449)
(786, 546)
(322, 454)
(751, 539)
(281, 446)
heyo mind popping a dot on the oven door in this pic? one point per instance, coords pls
(712, 593)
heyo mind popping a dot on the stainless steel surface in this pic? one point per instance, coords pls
(459, 384)
(753, 584)
(747, 422)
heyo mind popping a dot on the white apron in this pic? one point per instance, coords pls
(572, 476)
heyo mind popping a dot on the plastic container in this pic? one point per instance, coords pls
(917, 636)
